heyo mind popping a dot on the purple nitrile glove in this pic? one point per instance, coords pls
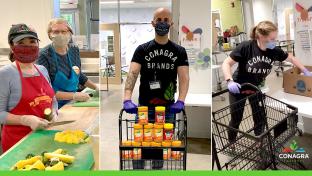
(233, 87)
(177, 107)
(130, 107)
(306, 72)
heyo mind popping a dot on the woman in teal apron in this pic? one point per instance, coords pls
(62, 60)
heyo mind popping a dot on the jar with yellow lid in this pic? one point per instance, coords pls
(168, 131)
(148, 132)
(143, 115)
(158, 132)
(160, 113)
(138, 132)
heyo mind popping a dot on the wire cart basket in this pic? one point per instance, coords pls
(152, 157)
(266, 125)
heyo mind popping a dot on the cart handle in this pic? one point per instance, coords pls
(243, 92)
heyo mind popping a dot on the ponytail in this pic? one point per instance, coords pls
(11, 57)
(263, 28)
(253, 33)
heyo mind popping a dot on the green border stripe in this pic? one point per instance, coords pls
(159, 173)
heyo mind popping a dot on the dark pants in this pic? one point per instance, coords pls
(155, 155)
(237, 106)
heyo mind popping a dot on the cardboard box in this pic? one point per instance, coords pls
(295, 82)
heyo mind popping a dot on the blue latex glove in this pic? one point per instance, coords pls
(130, 107)
(177, 107)
(234, 87)
(306, 72)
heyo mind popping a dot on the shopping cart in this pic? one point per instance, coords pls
(248, 150)
(152, 158)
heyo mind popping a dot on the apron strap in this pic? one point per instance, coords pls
(20, 70)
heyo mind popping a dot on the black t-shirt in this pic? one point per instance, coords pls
(254, 64)
(159, 63)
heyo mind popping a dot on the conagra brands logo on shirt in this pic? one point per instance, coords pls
(293, 151)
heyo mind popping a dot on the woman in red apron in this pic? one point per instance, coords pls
(36, 92)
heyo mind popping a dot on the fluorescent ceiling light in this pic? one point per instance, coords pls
(115, 2)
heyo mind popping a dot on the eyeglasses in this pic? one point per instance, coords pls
(58, 32)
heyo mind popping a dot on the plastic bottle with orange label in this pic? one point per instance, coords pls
(160, 113)
(127, 154)
(143, 115)
(177, 155)
(138, 132)
(137, 153)
(167, 154)
(158, 133)
(148, 132)
(168, 132)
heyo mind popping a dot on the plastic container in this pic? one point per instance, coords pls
(167, 154)
(177, 155)
(158, 133)
(168, 132)
(137, 153)
(160, 113)
(143, 115)
(148, 132)
(138, 132)
(127, 154)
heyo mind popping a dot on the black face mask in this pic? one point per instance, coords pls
(162, 28)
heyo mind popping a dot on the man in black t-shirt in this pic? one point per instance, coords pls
(159, 62)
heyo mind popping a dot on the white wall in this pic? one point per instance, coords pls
(304, 55)
(281, 5)
(263, 10)
(248, 15)
(35, 13)
(198, 15)
(138, 15)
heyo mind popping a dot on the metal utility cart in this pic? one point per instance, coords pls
(152, 158)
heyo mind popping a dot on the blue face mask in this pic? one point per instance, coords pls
(162, 28)
(270, 45)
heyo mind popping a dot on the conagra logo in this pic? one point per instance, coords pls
(293, 151)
